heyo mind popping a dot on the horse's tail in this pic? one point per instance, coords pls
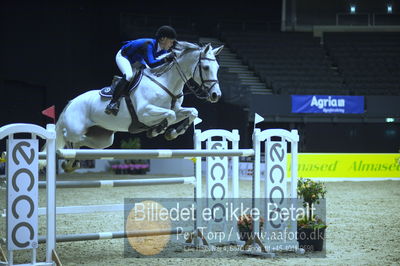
(60, 141)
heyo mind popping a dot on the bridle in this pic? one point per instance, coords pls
(201, 91)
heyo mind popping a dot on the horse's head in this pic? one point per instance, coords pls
(204, 70)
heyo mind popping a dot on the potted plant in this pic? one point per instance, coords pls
(245, 226)
(310, 228)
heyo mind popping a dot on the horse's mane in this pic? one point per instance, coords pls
(180, 48)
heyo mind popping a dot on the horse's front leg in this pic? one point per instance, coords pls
(185, 114)
(157, 118)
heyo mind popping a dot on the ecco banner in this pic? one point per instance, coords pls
(328, 104)
(217, 184)
(22, 193)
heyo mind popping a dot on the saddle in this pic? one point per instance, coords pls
(136, 126)
(108, 91)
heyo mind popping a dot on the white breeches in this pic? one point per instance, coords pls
(125, 66)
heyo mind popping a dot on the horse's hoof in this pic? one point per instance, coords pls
(170, 134)
(149, 134)
(69, 169)
(76, 165)
(152, 133)
(65, 168)
(162, 127)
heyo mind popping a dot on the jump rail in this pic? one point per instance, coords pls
(216, 152)
(147, 154)
(119, 234)
(121, 183)
(78, 209)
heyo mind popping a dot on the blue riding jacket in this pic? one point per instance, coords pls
(143, 51)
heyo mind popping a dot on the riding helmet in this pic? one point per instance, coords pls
(166, 31)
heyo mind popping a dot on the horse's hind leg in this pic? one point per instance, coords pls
(98, 138)
(74, 127)
(71, 165)
(73, 130)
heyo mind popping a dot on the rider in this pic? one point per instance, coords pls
(136, 54)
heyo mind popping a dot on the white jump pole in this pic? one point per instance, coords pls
(145, 154)
(119, 234)
(121, 183)
(51, 193)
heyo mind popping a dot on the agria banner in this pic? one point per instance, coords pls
(329, 104)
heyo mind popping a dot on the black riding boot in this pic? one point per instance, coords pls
(113, 106)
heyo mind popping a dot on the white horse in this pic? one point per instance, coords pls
(157, 101)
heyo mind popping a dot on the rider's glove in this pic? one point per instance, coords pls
(169, 57)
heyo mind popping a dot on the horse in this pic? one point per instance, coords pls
(157, 102)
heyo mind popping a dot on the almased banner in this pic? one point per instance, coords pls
(355, 165)
(339, 165)
(328, 104)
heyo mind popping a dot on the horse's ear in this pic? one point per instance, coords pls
(207, 47)
(217, 50)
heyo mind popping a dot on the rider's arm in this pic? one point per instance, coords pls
(149, 57)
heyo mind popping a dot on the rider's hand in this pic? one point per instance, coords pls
(169, 57)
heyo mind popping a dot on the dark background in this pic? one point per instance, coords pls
(53, 51)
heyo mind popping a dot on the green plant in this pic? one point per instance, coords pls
(131, 143)
(311, 192)
(315, 223)
(113, 162)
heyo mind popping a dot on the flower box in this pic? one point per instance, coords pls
(129, 169)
